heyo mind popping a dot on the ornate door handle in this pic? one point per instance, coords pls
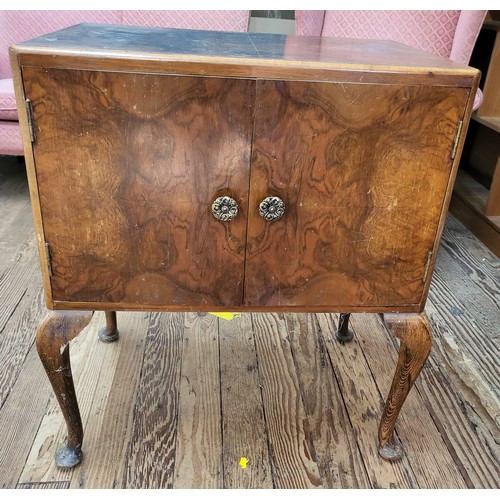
(224, 208)
(272, 208)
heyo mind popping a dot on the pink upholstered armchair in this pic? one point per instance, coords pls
(448, 33)
(17, 26)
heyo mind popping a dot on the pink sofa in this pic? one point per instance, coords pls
(17, 26)
(448, 33)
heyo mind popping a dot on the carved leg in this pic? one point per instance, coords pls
(416, 340)
(52, 342)
(343, 333)
(110, 332)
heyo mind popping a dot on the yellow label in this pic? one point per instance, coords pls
(243, 462)
(227, 316)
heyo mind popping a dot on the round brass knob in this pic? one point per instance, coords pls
(272, 208)
(224, 208)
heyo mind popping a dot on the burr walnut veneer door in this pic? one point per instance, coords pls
(362, 170)
(128, 166)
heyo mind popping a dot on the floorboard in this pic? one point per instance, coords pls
(151, 457)
(244, 434)
(292, 452)
(198, 453)
(339, 459)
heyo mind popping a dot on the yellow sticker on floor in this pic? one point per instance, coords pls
(243, 462)
(227, 316)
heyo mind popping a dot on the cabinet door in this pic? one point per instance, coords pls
(128, 166)
(362, 170)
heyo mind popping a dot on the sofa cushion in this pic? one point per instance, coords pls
(217, 20)
(8, 109)
(10, 138)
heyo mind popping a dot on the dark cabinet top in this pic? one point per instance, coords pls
(243, 49)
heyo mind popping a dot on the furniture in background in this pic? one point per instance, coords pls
(16, 26)
(237, 172)
(476, 198)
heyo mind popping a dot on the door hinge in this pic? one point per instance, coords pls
(31, 121)
(427, 267)
(48, 259)
(457, 138)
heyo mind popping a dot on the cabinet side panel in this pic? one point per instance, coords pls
(128, 166)
(31, 174)
(363, 171)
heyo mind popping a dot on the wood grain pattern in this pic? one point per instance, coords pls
(31, 174)
(359, 181)
(444, 398)
(364, 405)
(54, 485)
(435, 469)
(266, 70)
(127, 164)
(156, 411)
(362, 181)
(476, 360)
(52, 341)
(415, 334)
(89, 359)
(112, 408)
(333, 437)
(293, 456)
(198, 452)
(16, 336)
(471, 439)
(244, 426)
(491, 102)
(141, 174)
(13, 205)
(20, 418)
(15, 279)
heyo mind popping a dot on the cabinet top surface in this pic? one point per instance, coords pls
(161, 44)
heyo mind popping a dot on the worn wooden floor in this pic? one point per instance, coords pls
(181, 398)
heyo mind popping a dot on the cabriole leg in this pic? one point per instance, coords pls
(416, 339)
(52, 341)
(343, 333)
(110, 332)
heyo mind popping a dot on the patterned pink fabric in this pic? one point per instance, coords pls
(8, 109)
(17, 26)
(309, 22)
(10, 139)
(468, 28)
(449, 33)
(20, 25)
(217, 20)
(432, 31)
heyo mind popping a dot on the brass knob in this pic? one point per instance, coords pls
(224, 208)
(272, 208)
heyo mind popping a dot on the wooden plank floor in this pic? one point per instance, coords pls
(181, 398)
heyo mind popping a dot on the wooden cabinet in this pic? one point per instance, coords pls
(132, 134)
(363, 170)
(129, 164)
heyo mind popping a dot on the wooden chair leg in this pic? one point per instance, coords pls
(52, 341)
(416, 339)
(343, 333)
(110, 332)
